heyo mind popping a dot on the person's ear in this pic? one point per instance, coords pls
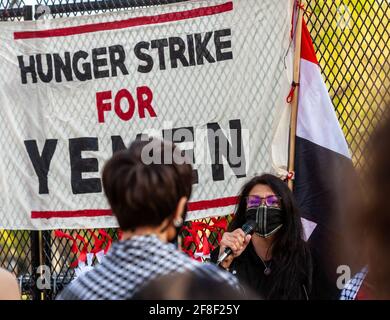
(180, 209)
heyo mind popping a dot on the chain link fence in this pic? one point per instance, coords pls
(351, 38)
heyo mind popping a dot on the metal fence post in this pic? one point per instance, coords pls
(46, 260)
(27, 13)
(35, 263)
(35, 236)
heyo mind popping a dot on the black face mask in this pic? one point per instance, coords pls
(268, 220)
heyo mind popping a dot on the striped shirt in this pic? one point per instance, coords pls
(353, 286)
(130, 264)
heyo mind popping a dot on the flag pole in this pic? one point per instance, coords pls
(295, 88)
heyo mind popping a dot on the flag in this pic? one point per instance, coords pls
(323, 171)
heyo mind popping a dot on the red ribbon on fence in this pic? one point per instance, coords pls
(84, 251)
(300, 5)
(197, 227)
(106, 237)
(62, 235)
(290, 176)
(97, 247)
(291, 95)
(97, 243)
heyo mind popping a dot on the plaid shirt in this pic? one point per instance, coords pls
(131, 264)
(352, 287)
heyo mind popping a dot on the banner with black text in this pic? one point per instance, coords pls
(209, 75)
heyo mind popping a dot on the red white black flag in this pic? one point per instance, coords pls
(322, 163)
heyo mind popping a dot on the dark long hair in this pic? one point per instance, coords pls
(290, 254)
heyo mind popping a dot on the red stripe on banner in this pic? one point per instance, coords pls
(192, 206)
(89, 213)
(132, 22)
(307, 48)
(211, 204)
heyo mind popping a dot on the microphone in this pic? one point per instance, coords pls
(248, 228)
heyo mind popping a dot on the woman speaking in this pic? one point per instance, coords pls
(275, 261)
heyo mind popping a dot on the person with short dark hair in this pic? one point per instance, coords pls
(147, 187)
(146, 192)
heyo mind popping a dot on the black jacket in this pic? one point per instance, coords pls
(249, 269)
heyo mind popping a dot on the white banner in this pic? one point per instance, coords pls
(212, 76)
